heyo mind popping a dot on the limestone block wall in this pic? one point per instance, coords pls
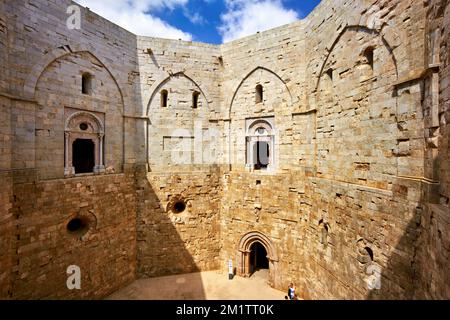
(276, 101)
(6, 216)
(273, 60)
(105, 251)
(169, 242)
(432, 279)
(3, 49)
(444, 102)
(173, 242)
(358, 97)
(7, 231)
(367, 233)
(175, 124)
(180, 68)
(41, 74)
(267, 204)
(354, 128)
(41, 44)
(291, 210)
(59, 91)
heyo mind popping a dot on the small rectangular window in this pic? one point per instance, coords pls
(86, 84)
(259, 93)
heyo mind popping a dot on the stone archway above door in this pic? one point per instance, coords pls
(83, 125)
(243, 256)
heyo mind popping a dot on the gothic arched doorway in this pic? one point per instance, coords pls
(255, 251)
(258, 257)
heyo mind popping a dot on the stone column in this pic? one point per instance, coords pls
(100, 167)
(68, 169)
(247, 264)
(100, 137)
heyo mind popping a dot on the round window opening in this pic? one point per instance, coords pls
(179, 207)
(84, 126)
(77, 225)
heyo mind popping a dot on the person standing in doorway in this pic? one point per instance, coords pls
(291, 291)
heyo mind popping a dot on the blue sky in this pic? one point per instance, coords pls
(211, 21)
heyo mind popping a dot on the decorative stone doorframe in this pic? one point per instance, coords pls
(243, 256)
(83, 125)
(260, 130)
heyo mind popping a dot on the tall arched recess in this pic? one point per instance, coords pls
(105, 101)
(58, 53)
(339, 36)
(156, 87)
(248, 75)
(359, 89)
(177, 103)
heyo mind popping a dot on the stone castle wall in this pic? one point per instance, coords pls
(40, 79)
(358, 187)
(44, 249)
(432, 279)
(170, 242)
(6, 217)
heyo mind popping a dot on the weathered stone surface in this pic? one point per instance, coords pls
(355, 105)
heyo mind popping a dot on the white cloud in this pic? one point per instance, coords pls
(246, 17)
(136, 16)
(194, 17)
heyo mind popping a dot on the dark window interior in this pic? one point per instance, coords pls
(259, 93)
(261, 155)
(368, 53)
(86, 83)
(195, 97)
(83, 156)
(164, 98)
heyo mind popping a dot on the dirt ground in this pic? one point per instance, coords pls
(200, 286)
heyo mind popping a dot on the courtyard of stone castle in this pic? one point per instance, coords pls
(209, 285)
(314, 153)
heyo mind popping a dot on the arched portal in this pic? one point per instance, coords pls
(258, 257)
(256, 250)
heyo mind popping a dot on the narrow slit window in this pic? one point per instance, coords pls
(330, 74)
(86, 83)
(368, 54)
(195, 98)
(259, 93)
(164, 98)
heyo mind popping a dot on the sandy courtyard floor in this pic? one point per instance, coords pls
(200, 286)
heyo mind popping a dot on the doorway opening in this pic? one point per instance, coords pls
(257, 252)
(262, 155)
(83, 156)
(258, 258)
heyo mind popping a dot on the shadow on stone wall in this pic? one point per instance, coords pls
(396, 280)
(418, 266)
(160, 249)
